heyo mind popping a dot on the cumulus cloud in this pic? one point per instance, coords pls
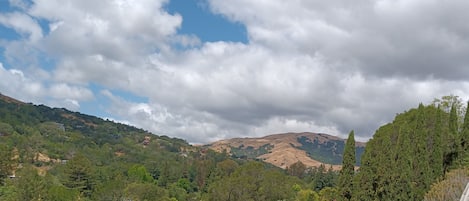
(320, 66)
(14, 83)
(22, 24)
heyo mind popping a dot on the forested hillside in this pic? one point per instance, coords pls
(55, 154)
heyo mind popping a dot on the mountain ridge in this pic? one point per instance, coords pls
(284, 149)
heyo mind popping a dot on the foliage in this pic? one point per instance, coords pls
(7, 162)
(347, 172)
(450, 188)
(329, 194)
(71, 156)
(250, 182)
(297, 169)
(30, 185)
(330, 152)
(250, 152)
(79, 174)
(406, 156)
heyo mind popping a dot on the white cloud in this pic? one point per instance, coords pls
(22, 24)
(321, 66)
(67, 92)
(13, 82)
(22, 4)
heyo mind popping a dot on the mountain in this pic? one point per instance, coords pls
(56, 154)
(282, 150)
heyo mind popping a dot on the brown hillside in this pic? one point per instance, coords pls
(10, 100)
(283, 154)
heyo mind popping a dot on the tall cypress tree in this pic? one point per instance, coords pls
(348, 169)
(452, 139)
(464, 139)
(465, 131)
(436, 156)
(421, 167)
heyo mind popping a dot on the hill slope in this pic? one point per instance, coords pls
(282, 150)
(55, 154)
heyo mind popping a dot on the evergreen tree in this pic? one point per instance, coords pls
(451, 139)
(465, 131)
(421, 167)
(404, 157)
(79, 174)
(348, 168)
(436, 156)
(30, 185)
(6, 162)
(401, 185)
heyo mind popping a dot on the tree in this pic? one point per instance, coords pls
(465, 131)
(62, 193)
(307, 195)
(348, 169)
(319, 177)
(436, 157)
(252, 181)
(297, 169)
(79, 174)
(452, 139)
(329, 194)
(30, 185)
(139, 173)
(7, 162)
(145, 191)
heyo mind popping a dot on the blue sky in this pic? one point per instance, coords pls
(207, 26)
(197, 20)
(204, 70)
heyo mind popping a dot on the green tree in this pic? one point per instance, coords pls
(307, 195)
(297, 169)
(226, 167)
(347, 172)
(452, 139)
(110, 190)
(31, 186)
(140, 174)
(62, 193)
(436, 156)
(145, 192)
(252, 181)
(329, 194)
(79, 174)
(7, 162)
(465, 132)
(404, 157)
(319, 178)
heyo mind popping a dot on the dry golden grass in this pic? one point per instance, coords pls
(284, 153)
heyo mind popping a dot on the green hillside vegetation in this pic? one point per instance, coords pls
(406, 157)
(55, 154)
(250, 152)
(329, 152)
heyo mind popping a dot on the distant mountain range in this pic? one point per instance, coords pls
(282, 150)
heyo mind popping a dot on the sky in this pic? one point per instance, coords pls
(205, 70)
